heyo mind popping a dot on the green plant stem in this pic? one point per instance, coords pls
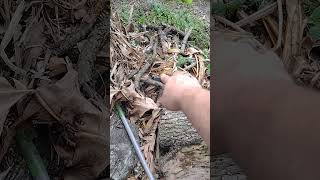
(31, 156)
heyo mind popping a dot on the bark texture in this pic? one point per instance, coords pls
(175, 130)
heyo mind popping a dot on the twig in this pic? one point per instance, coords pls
(130, 16)
(162, 41)
(229, 23)
(138, 76)
(134, 72)
(190, 66)
(56, 8)
(280, 25)
(8, 36)
(243, 15)
(258, 15)
(185, 39)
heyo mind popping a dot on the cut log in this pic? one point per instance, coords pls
(175, 130)
(189, 163)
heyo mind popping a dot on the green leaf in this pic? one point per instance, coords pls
(183, 60)
(218, 9)
(209, 67)
(315, 31)
(315, 17)
(187, 1)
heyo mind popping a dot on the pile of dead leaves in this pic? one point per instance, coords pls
(138, 55)
(42, 47)
(282, 26)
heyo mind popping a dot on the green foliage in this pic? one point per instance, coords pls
(309, 6)
(226, 9)
(315, 31)
(187, 1)
(206, 53)
(229, 9)
(209, 68)
(183, 60)
(315, 16)
(181, 19)
(218, 8)
(314, 21)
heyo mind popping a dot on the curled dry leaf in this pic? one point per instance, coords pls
(140, 105)
(191, 51)
(201, 69)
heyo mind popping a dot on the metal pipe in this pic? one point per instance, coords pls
(134, 142)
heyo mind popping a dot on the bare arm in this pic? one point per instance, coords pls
(183, 93)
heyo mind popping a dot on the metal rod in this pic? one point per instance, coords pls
(134, 142)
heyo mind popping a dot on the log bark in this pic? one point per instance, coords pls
(179, 166)
(175, 130)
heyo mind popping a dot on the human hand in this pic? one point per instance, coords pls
(176, 87)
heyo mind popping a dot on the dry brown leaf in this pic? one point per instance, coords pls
(173, 51)
(9, 96)
(114, 95)
(84, 148)
(139, 103)
(202, 69)
(191, 51)
(57, 66)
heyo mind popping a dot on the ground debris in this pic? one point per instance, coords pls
(138, 55)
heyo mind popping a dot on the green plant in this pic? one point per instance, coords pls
(226, 9)
(187, 1)
(230, 8)
(181, 19)
(209, 68)
(314, 21)
(309, 6)
(183, 60)
(206, 53)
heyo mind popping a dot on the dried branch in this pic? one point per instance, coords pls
(229, 23)
(280, 25)
(190, 66)
(185, 39)
(138, 76)
(258, 15)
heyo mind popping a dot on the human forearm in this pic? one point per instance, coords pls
(196, 105)
(183, 92)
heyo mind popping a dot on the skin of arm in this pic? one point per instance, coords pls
(183, 92)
